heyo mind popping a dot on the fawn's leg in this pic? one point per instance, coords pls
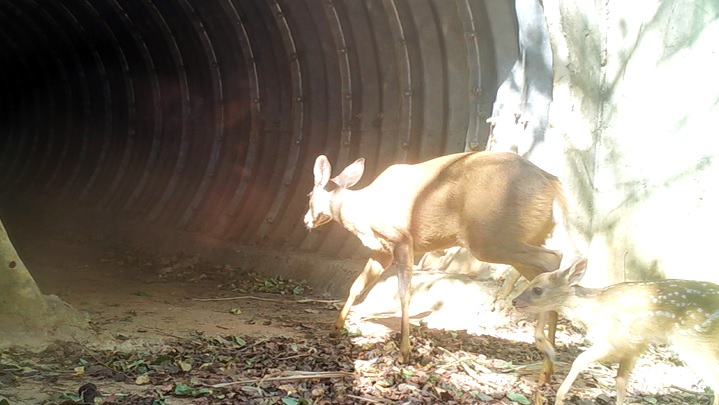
(626, 365)
(591, 355)
(711, 377)
(703, 357)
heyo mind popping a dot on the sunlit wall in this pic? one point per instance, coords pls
(636, 101)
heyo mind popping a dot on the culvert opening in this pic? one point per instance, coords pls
(193, 126)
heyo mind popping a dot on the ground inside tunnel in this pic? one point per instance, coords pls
(159, 341)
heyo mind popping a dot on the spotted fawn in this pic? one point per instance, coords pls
(622, 320)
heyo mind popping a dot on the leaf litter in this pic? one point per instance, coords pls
(234, 370)
(448, 368)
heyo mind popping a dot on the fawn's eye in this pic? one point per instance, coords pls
(537, 290)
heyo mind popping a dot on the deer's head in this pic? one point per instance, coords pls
(322, 204)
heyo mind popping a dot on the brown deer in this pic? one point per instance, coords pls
(624, 319)
(498, 205)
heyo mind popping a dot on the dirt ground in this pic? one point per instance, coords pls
(179, 330)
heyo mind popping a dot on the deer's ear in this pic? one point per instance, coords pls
(351, 174)
(322, 171)
(576, 272)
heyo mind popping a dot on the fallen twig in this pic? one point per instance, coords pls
(289, 376)
(469, 369)
(319, 301)
(296, 356)
(162, 332)
(244, 297)
(92, 354)
(688, 391)
(252, 297)
(371, 400)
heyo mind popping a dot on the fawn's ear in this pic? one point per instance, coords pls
(576, 272)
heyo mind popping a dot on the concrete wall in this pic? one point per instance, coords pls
(636, 99)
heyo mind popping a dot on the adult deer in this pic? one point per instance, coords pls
(624, 319)
(498, 205)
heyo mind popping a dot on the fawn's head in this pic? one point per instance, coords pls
(549, 291)
(320, 204)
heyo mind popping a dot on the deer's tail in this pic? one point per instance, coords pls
(560, 211)
(560, 238)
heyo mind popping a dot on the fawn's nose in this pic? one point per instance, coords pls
(519, 304)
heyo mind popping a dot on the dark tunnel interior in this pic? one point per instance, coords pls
(204, 117)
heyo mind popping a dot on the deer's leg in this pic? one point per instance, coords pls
(508, 285)
(529, 260)
(626, 365)
(592, 355)
(447, 258)
(545, 343)
(541, 340)
(403, 257)
(443, 262)
(371, 272)
(552, 317)
(421, 265)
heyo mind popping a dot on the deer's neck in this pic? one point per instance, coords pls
(344, 208)
(352, 210)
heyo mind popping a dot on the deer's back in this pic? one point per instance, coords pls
(658, 312)
(447, 200)
(486, 197)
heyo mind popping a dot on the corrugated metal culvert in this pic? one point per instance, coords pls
(206, 116)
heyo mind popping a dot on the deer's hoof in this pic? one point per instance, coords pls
(404, 354)
(545, 376)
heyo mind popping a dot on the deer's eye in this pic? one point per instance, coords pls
(537, 290)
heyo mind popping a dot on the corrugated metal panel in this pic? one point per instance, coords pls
(206, 116)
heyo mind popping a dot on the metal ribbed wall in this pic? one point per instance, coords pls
(206, 116)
